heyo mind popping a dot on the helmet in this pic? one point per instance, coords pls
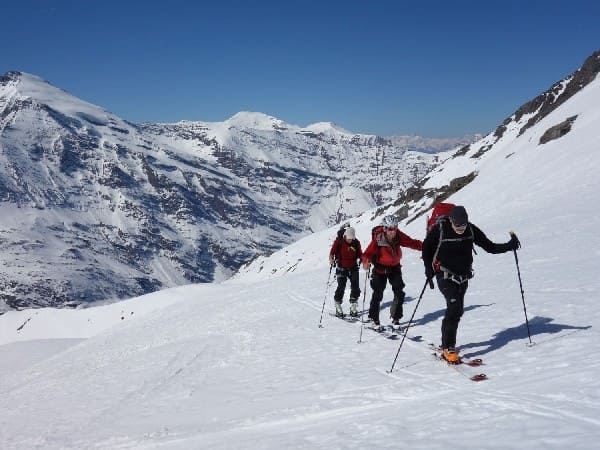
(350, 233)
(390, 222)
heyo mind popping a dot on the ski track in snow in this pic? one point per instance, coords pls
(294, 401)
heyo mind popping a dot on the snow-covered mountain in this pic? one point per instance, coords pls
(169, 370)
(432, 145)
(96, 208)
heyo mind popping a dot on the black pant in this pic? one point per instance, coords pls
(454, 293)
(378, 283)
(343, 275)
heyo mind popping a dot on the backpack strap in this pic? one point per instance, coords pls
(435, 262)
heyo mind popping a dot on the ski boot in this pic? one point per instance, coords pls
(339, 312)
(376, 324)
(450, 355)
(353, 310)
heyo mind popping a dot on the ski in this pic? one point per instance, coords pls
(346, 318)
(476, 362)
(387, 331)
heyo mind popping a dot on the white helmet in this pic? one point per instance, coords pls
(390, 222)
(350, 233)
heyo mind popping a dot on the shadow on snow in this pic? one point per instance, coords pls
(537, 326)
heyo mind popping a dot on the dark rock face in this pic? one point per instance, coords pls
(557, 131)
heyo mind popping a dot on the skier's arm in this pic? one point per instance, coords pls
(429, 245)
(407, 241)
(333, 251)
(369, 253)
(480, 239)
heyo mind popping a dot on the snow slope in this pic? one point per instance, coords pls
(243, 364)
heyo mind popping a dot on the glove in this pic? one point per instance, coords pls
(429, 274)
(514, 243)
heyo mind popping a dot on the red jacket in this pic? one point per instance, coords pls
(346, 254)
(385, 253)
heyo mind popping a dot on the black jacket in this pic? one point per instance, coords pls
(455, 252)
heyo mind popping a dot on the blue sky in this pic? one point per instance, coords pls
(432, 68)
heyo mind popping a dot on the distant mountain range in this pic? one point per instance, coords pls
(95, 208)
(432, 145)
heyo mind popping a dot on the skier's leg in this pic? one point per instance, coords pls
(454, 295)
(397, 283)
(341, 275)
(354, 284)
(378, 282)
(354, 291)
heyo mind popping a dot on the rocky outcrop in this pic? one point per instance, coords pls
(557, 131)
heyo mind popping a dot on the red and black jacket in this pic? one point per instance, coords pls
(385, 254)
(346, 254)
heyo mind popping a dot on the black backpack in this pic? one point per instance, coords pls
(340, 239)
(340, 233)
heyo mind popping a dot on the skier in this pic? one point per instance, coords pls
(448, 255)
(345, 252)
(384, 253)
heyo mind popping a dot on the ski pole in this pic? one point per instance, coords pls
(325, 297)
(362, 316)
(522, 291)
(408, 326)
